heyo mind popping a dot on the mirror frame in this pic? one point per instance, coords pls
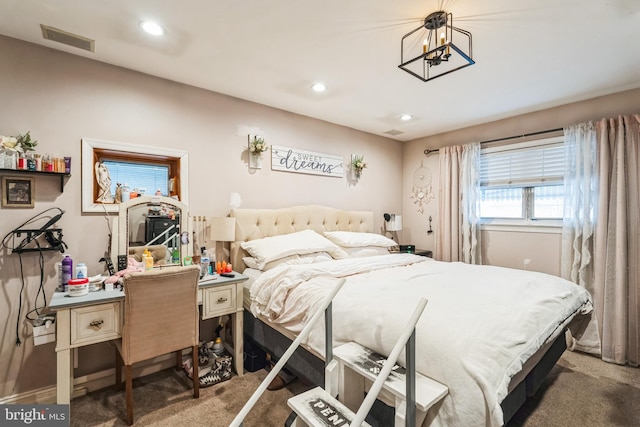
(88, 173)
(120, 231)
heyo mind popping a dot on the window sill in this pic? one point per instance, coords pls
(523, 226)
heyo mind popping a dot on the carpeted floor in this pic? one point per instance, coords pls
(580, 391)
(166, 399)
(584, 391)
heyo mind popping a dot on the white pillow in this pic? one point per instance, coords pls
(289, 260)
(366, 251)
(302, 242)
(353, 239)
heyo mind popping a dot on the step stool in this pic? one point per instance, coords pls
(317, 408)
(358, 368)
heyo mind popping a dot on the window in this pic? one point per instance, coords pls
(522, 183)
(141, 167)
(146, 178)
(145, 172)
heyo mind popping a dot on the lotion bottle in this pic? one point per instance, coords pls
(148, 260)
(81, 271)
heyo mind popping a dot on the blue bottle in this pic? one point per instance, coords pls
(67, 272)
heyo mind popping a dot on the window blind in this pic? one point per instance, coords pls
(143, 176)
(518, 167)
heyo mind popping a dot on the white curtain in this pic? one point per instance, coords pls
(617, 240)
(601, 233)
(580, 202)
(458, 235)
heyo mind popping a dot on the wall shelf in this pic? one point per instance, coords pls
(62, 175)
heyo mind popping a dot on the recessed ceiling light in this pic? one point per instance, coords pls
(318, 87)
(406, 117)
(152, 28)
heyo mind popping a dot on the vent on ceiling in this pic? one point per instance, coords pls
(50, 33)
(393, 132)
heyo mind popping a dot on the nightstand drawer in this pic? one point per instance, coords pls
(218, 300)
(96, 323)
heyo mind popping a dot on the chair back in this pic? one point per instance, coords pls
(160, 312)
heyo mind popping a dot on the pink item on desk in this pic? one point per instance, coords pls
(132, 267)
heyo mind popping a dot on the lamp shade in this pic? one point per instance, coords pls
(394, 223)
(222, 229)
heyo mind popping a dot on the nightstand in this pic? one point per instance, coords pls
(424, 252)
(411, 249)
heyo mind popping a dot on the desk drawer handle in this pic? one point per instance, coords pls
(96, 324)
(222, 299)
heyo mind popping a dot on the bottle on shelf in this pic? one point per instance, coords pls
(47, 163)
(126, 192)
(22, 161)
(31, 162)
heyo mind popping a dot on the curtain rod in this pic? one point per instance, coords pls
(427, 151)
(521, 136)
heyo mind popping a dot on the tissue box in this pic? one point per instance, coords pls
(45, 333)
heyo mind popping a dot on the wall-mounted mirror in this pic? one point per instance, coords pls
(159, 224)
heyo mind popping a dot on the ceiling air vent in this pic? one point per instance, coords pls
(50, 33)
(393, 132)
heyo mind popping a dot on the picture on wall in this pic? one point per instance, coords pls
(18, 192)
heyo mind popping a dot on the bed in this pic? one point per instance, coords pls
(490, 334)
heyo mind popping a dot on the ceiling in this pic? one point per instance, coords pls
(530, 54)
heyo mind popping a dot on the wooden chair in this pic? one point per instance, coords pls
(160, 317)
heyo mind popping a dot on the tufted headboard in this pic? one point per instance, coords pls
(254, 224)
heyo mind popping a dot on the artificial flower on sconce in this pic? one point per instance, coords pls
(257, 146)
(357, 165)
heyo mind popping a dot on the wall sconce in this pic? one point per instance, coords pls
(357, 166)
(222, 229)
(257, 146)
(393, 224)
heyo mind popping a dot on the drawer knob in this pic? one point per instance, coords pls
(96, 324)
(222, 299)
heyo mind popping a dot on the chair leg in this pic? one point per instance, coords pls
(119, 363)
(128, 371)
(196, 377)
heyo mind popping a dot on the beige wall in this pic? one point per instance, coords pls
(63, 98)
(508, 249)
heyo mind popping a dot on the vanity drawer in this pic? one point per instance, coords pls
(218, 300)
(95, 323)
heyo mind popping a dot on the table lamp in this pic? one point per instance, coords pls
(393, 224)
(222, 229)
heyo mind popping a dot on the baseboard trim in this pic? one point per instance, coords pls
(88, 383)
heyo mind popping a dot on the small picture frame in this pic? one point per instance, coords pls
(18, 192)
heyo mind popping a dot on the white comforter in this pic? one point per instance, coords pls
(480, 325)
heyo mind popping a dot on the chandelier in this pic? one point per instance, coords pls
(432, 49)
